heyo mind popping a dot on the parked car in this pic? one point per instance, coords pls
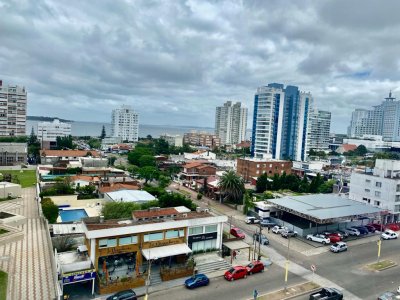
(197, 281)
(334, 237)
(392, 226)
(370, 228)
(278, 229)
(320, 238)
(252, 220)
(255, 267)
(267, 222)
(361, 229)
(237, 232)
(339, 247)
(378, 227)
(264, 239)
(327, 294)
(352, 231)
(389, 235)
(388, 296)
(288, 233)
(235, 273)
(123, 295)
(343, 234)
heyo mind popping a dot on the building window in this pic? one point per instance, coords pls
(196, 230)
(377, 203)
(377, 194)
(378, 184)
(397, 198)
(398, 188)
(105, 243)
(367, 180)
(211, 228)
(172, 234)
(204, 245)
(367, 190)
(128, 240)
(397, 208)
(155, 236)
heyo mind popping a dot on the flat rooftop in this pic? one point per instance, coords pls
(324, 208)
(94, 223)
(72, 261)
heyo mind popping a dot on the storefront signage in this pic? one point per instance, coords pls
(166, 243)
(203, 237)
(78, 276)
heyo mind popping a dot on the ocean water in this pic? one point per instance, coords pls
(94, 129)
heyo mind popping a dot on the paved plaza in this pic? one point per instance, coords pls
(27, 262)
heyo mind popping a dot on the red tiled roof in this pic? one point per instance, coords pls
(85, 178)
(69, 153)
(192, 165)
(139, 214)
(117, 187)
(206, 166)
(349, 147)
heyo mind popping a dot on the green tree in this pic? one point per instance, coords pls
(34, 147)
(119, 210)
(175, 199)
(65, 142)
(94, 143)
(148, 173)
(327, 187)
(316, 183)
(111, 160)
(248, 203)
(103, 132)
(164, 181)
(137, 153)
(161, 146)
(276, 183)
(232, 186)
(261, 184)
(50, 210)
(304, 185)
(147, 160)
(361, 150)
(133, 170)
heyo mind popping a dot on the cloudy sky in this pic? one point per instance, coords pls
(174, 61)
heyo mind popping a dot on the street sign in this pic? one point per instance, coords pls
(313, 268)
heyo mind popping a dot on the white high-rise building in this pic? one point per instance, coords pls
(125, 123)
(49, 131)
(381, 188)
(318, 132)
(13, 100)
(231, 123)
(383, 119)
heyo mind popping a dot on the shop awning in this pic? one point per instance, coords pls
(166, 251)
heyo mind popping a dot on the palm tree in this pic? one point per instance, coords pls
(232, 186)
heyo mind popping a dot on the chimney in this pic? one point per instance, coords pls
(101, 219)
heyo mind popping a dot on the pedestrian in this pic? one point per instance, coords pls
(269, 228)
(255, 294)
(234, 254)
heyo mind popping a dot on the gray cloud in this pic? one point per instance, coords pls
(174, 61)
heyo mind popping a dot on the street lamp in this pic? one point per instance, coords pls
(287, 263)
(148, 275)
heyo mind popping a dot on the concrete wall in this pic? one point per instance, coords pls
(9, 189)
(72, 201)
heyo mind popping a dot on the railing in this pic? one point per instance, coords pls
(119, 284)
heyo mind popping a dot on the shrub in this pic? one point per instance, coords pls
(199, 196)
(50, 210)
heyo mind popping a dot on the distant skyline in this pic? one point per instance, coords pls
(176, 61)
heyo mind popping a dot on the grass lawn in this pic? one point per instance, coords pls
(382, 265)
(3, 285)
(27, 178)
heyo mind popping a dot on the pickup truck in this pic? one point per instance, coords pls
(327, 294)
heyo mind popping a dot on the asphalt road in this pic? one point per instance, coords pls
(347, 269)
(221, 289)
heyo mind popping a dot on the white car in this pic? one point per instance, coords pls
(389, 235)
(252, 220)
(352, 231)
(339, 247)
(278, 229)
(320, 238)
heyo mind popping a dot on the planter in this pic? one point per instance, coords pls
(174, 273)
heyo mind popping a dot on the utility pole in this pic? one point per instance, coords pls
(287, 263)
(230, 226)
(379, 243)
(259, 244)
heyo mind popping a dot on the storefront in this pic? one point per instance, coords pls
(203, 238)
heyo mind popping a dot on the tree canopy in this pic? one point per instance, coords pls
(232, 186)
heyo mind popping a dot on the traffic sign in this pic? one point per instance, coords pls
(313, 268)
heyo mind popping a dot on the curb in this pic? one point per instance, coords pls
(293, 296)
(303, 293)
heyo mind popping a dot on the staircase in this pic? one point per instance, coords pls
(209, 267)
(155, 277)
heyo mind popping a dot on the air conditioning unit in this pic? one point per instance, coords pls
(198, 209)
(206, 210)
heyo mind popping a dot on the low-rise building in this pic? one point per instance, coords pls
(195, 170)
(254, 167)
(122, 251)
(47, 132)
(12, 154)
(65, 156)
(129, 195)
(379, 188)
(173, 140)
(200, 154)
(202, 139)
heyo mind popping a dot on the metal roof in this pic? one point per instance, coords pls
(236, 245)
(324, 208)
(67, 229)
(131, 196)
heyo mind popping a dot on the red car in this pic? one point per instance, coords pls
(378, 227)
(236, 232)
(393, 226)
(235, 273)
(334, 237)
(255, 267)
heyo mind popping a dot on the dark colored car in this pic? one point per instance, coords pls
(327, 294)
(387, 296)
(255, 267)
(378, 227)
(267, 222)
(370, 228)
(264, 239)
(362, 229)
(123, 295)
(344, 234)
(197, 281)
(236, 232)
(235, 273)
